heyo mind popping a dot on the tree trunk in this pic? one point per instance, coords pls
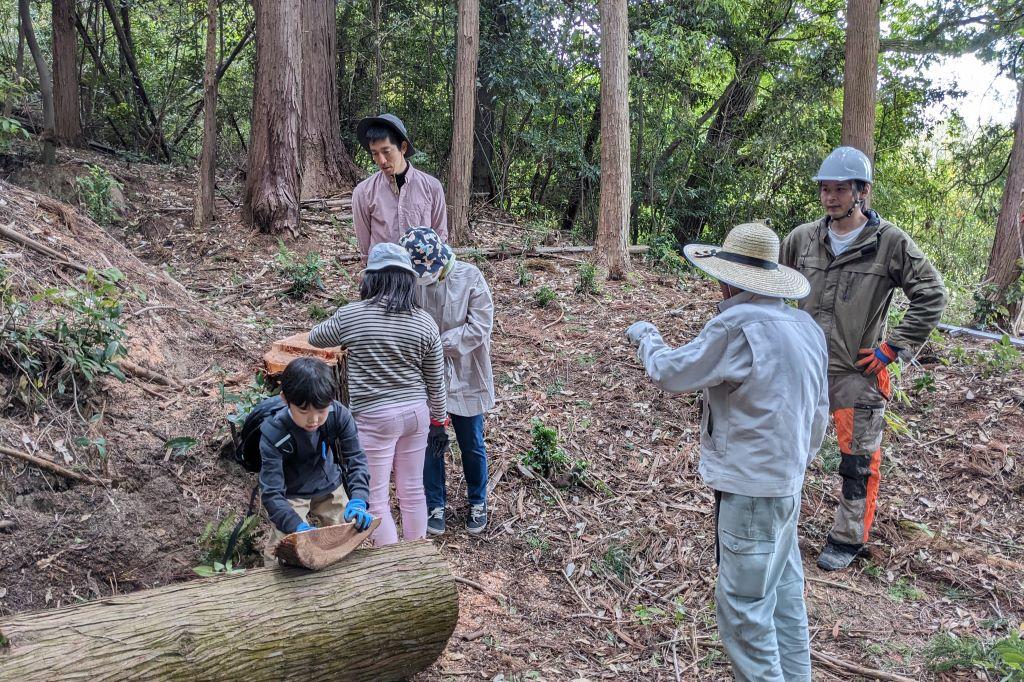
(128, 55)
(483, 144)
(461, 168)
(45, 83)
(380, 614)
(67, 117)
(19, 68)
(378, 56)
(204, 208)
(613, 223)
(585, 183)
(1005, 260)
(860, 83)
(272, 181)
(326, 167)
(732, 108)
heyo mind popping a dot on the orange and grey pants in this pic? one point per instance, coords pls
(858, 405)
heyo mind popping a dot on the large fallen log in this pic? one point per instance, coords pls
(380, 614)
(514, 252)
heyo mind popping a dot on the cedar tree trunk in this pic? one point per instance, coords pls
(461, 169)
(613, 223)
(271, 200)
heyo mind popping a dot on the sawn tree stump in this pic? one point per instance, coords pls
(380, 614)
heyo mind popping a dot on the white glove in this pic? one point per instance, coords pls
(638, 330)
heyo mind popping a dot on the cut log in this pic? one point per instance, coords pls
(285, 350)
(381, 614)
(317, 549)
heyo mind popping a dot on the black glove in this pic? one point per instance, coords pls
(437, 441)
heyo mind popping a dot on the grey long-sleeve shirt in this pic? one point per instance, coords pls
(462, 307)
(298, 463)
(762, 366)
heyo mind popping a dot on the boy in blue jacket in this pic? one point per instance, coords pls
(300, 478)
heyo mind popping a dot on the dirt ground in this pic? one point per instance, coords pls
(610, 576)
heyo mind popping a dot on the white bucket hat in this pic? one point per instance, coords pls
(387, 255)
(749, 260)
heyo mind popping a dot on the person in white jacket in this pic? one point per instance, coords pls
(762, 366)
(458, 298)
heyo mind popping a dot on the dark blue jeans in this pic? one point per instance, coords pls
(469, 432)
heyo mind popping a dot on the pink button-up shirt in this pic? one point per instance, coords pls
(382, 213)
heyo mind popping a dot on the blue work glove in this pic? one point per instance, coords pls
(303, 527)
(355, 511)
(638, 330)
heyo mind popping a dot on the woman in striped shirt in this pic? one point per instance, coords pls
(396, 384)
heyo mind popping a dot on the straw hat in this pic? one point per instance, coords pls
(749, 260)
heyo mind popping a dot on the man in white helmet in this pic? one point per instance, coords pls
(854, 261)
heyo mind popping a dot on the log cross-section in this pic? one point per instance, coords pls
(380, 614)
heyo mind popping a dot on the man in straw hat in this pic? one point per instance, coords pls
(854, 261)
(762, 367)
(398, 196)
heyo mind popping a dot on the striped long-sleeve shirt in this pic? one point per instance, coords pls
(393, 358)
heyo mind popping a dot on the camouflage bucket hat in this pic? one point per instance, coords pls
(428, 252)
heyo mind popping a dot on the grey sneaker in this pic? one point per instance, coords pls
(477, 519)
(435, 521)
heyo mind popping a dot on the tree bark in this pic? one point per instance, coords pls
(272, 183)
(860, 83)
(326, 167)
(19, 68)
(67, 116)
(1005, 260)
(380, 614)
(461, 168)
(204, 207)
(128, 55)
(613, 223)
(45, 83)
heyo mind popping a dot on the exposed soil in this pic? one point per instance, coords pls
(609, 575)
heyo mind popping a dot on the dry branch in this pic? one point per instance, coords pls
(533, 252)
(52, 467)
(41, 248)
(140, 372)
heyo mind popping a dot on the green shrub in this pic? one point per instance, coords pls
(545, 456)
(1004, 657)
(543, 296)
(303, 275)
(523, 276)
(586, 279)
(213, 544)
(243, 401)
(68, 350)
(96, 194)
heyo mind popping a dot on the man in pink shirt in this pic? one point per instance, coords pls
(397, 197)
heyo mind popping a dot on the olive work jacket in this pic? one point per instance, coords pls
(851, 293)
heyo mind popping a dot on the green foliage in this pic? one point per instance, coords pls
(1003, 658)
(523, 276)
(647, 615)
(1001, 357)
(616, 561)
(96, 194)
(317, 312)
(662, 255)
(78, 340)
(902, 590)
(180, 445)
(829, 455)
(10, 128)
(213, 544)
(586, 279)
(304, 275)
(543, 296)
(545, 456)
(243, 402)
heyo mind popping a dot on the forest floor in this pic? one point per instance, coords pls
(605, 575)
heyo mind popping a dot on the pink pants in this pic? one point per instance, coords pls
(396, 438)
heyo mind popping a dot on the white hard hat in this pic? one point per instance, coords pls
(844, 163)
